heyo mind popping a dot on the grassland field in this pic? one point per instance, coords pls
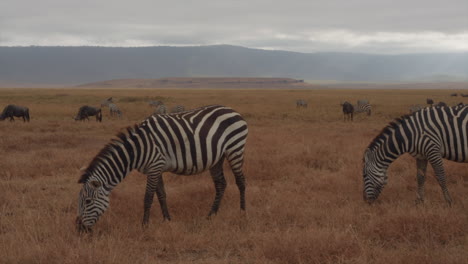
(304, 185)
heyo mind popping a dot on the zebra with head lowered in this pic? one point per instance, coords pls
(86, 111)
(301, 103)
(177, 109)
(363, 106)
(10, 111)
(429, 135)
(187, 143)
(113, 108)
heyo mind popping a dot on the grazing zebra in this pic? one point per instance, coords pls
(186, 144)
(160, 110)
(14, 110)
(177, 109)
(301, 103)
(363, 108)
(415, 108)
(429, 135)
(429, 101)
(348, 110)
(113, 108)
(86, 111)
(362, 101)
(155, 103)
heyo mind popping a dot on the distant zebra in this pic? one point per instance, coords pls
(10, 111)
(415, 108)
(362, 101)
(429, 135)
(160, 110)
(348, 111)
(186, 144)
(429, 101)
(155, 103)
(177, 109)
(86, 111)
(113, 108)
(363, 108)
(301, 103)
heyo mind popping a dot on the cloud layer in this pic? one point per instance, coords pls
(303, 26)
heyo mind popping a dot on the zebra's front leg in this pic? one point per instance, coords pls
(438, 166)
(154, 184)
(421, 165)
(220, 185)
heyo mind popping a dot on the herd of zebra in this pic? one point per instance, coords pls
(198, 140)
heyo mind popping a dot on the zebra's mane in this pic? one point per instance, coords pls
(105, 152)
(387, 130)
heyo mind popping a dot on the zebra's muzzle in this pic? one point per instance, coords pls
(80, 227)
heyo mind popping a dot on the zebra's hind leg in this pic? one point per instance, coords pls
(421, 178)
(437, 165)
(236, 161)
(220, 185)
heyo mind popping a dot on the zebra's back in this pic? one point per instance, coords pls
(193, 141)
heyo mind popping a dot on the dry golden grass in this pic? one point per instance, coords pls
(304, 192)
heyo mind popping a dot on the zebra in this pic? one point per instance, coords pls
(415, 108)
(301, 103)
(177, 109)
(429, 135)
(155, 103)
(160, 110)
(363, 108)
(186, 143)
(10, 111)
(362, 101)
(113, 108)
(348, 110)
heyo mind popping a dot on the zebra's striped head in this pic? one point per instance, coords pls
(374, 177)
(93, 200)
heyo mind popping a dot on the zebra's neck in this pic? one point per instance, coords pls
(118, 158)
(392, 142)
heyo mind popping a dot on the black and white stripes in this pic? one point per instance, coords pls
(186, 143)
(429, 135)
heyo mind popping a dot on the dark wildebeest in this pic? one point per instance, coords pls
(454, 94)
(15, 110)
(86, 111)
(464, 95)
(429, 101)
(348, 111)
(441, 104)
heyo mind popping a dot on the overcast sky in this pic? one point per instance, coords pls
(371, 26)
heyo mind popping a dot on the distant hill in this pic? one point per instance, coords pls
(205, 83)
(77, 65)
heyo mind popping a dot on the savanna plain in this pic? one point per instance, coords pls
(303, 171)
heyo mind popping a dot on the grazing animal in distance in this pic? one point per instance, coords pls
(348, 111)
(113, 108)
(362, 102)
(363, 108)
(155, 103)
(464, 95)
(11, 111)
(160, 110)
(301, 103)
(429, 135)
(415, 108)
(454, 94)
(441, 104)
(177, 109)
(429, 101)
(86, 111)
(185, 144)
